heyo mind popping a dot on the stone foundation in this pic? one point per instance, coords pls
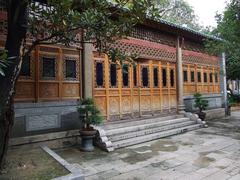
(214, 102)
(45, 117)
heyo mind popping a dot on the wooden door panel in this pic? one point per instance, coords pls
(101, 104)
(114, 105)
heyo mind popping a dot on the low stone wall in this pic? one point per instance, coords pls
(215, 114)
(45, 117)
(214, 102)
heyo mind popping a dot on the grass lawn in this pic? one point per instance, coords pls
(31, 164)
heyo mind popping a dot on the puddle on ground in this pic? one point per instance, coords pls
(203, 161)
(208, 152)
(144, 153)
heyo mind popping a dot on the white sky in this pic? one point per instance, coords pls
(206, 10)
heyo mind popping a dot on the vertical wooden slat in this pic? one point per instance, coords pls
(131, 87)
(196, 78)
(120, 91)
(160, 84)
(139, 87)
(168, 85)
(81, 77)
(106, 74)
(151, 85)
(37, 68)
(60, 73)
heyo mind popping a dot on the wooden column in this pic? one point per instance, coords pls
(37, 67)
(87, 70)
(179, 75)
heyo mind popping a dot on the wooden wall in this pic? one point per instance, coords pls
(207, 85)
(127, 101)
(35, 86)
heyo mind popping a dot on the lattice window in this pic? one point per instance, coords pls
(26, 67)
(99, 69)
(71, 69)
(211, 77)
(135, 76)
(164, 77)
(113, 75)
(185, 76)
(205, 77)
(145, 76)
(49, 68)
(125, 75)
(192, 76)
(216, 77)
(199, 76)
(172, 82)
(155, 76)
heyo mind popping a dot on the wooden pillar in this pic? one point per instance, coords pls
(37, 67)
(87, 70)
(180, 75)
(107, 85)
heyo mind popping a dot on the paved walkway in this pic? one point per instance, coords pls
(211, 153)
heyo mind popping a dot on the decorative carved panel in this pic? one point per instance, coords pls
(114, 105)
(48, 90)
(25, 90)
(126, 104)
(70, 90)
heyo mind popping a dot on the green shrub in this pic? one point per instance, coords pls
(200, 103)
(89, 114)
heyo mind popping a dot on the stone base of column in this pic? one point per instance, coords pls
(181, 109)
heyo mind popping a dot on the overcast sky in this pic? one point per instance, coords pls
(206, 10)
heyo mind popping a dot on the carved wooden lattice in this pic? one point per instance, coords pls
(146, 50)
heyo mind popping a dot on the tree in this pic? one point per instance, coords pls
(179, 12)
(228, 29)
(100, 22)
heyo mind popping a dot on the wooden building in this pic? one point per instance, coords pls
(172, 65)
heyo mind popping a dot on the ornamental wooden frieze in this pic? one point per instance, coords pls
(146, 49)
(152, 35)
(200, 58)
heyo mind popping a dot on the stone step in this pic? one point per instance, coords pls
(144, 132)
(140, 127)
(128, 123)
(150, 137)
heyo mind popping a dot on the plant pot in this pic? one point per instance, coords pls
(201, 115)
(87, 139)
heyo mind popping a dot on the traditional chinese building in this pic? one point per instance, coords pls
(172, 65)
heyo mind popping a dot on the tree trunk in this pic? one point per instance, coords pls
(17, 28)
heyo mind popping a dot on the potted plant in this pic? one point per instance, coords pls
(201, 104)
(89, 115)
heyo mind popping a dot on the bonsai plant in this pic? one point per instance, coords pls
(89, 115)
(201, 104)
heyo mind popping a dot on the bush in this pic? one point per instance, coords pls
(200, 103)
(89, 114)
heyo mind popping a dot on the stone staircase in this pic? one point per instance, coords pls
(120, 134)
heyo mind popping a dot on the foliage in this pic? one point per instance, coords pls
(100, 22)
(179, 12)
(89, 113)
(233, 99)
(3, 62)
(200, 103)
(228, 29)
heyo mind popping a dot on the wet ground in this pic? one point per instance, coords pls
(209, 153)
